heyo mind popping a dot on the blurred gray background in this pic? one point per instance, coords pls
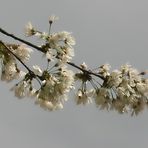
(106, 31)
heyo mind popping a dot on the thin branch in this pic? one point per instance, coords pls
(21, 40)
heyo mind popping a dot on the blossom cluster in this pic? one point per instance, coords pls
(53, 89)
(57, 47)
(54, 82)
(123, 90)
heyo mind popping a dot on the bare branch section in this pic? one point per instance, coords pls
(123, 90)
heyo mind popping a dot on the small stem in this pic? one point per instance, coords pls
(49, 28)
(38, 80)
(87, 71)
(93, 84)
(51, 68)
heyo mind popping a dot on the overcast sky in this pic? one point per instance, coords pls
(106, 31)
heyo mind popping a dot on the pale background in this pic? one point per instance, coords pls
(113, 31)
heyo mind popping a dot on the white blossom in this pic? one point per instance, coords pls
(66, 80)
(23, 52)
(50, 55)
(29, 29)
(84, 66)
(65, 37)
(121, 92)
(137, 105)
(53, 18)
(21, 89)
(142, 88)
(9, 71)
(48, 105)
(45, 104)
(42, 35)
(125, 68)
(32, 93)
(119, 105)
(102, 98)
(70, 40)
(54, 89)
(65, 55)
(114, 79)
(84, 97)
(104, 70)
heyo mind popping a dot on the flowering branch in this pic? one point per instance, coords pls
(122, 90)
(41, 50)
